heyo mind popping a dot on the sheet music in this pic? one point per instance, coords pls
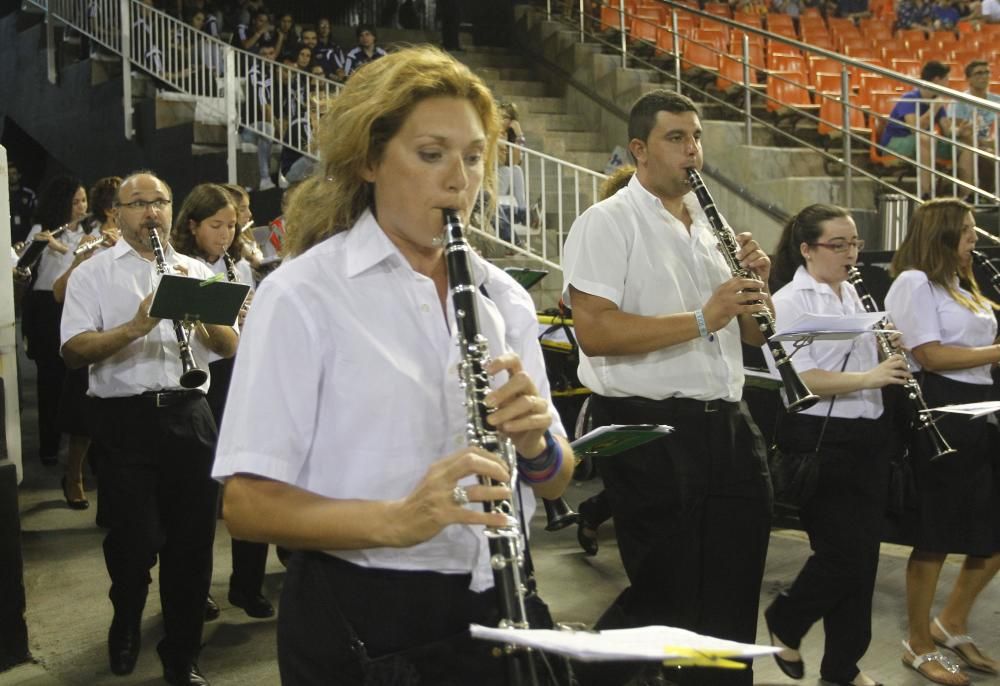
(655, 643)
(973, 410)
(829, 326)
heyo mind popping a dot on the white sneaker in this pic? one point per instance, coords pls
(282, 181)
(266, 185)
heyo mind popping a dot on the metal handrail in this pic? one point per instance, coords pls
(848, 137)
(237, 82)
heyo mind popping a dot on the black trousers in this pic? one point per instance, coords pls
(249, 558)
(156, 476)
(422, 615)
(692, 517)
(40, 324)
(844, 520)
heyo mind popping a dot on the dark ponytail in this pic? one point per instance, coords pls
(804, 227)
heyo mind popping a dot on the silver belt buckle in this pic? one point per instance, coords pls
(160, 400)
(710, 406)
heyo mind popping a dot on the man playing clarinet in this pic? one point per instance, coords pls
(158, 436)
(659, 317)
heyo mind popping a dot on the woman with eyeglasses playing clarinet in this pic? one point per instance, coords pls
(206, 228)
(950, 330)
(848, 434)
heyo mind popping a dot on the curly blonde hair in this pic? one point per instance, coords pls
(360, 122)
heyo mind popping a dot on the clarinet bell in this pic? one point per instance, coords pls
(558, 514)
(194, 377)
(939, 446)
(799, 397)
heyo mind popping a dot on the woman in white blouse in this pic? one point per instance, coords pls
(950, 329)
(850, 436)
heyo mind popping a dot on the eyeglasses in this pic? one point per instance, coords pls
(840, 247)
(142, 205)
(980, 72)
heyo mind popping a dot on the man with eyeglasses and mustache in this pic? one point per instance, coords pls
(159, 437)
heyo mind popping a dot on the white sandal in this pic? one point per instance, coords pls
(919, 661)
(954, 642)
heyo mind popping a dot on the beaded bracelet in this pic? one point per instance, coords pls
(544, 466)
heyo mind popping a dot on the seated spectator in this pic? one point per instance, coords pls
(327, 55)
(944, 15)
(210, 25)
(853, 9)
(259, 33)
(365, 52)
(922, 109)
(988, 11)
(913, 14)
(981, 123)
(295, 166)
(323, 28)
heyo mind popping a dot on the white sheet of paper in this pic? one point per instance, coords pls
(828, 326)
(972, 409)
(645, 643)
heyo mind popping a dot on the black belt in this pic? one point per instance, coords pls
(678, 405)
(160, 398)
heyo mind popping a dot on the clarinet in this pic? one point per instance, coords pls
(984, 262)
(798, 395)
(192, 377)
(925, 422)
(506, 543)
(230, 268)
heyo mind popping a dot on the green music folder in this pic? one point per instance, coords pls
(185, 298)
(526, 277)
(611, 440)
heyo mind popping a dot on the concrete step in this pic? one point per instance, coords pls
(558, 142)
(545, 123)
(516, 90)
(475, 60)
(492, 74)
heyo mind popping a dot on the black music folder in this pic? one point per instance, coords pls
(209, 301)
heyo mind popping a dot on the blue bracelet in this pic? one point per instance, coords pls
(544, 466)
(703, 331)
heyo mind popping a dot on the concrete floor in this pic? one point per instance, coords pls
(68, 611)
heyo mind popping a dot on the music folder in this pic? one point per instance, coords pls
(185, 298)
(613, 439)
(526, 277)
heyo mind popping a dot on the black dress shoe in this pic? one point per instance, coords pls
(184, 675)
(123, 649)
(254, 604)
(796, 669)
(81, 504)
(211, 609)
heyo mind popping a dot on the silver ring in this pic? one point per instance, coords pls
(460, 496)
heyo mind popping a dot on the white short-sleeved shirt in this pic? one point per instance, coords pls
(53, 264)
(628, 249)
(352, 348)
(105, 292)
(991, 10)
(924, 312)
(806, 295)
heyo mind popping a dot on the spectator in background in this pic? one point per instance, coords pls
(944, 15)
(211, 20)
(366, 50)
(913, 14)
(326, 54)
(982, 122)
(323, 28)
(288, 36)
(988, 11)
(922, 109)
(22, 205)
(253, 37)
(260, 114)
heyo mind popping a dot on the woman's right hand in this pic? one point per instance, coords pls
(892, 370)
(431, 505)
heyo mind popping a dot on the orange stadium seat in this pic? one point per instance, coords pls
(824, 64)
(906, 35)
(713, 36)
(699, 56)
(812, 22)
(880, 105)
(786, 61)
(719, 9)
(831, 118)
(777, 21)
(848, 43)
(867, 53)
(907, 66)
(896, 52)
(730, 77)
(611, 18)
(750, 19)
(876, 82)
(665, 40)
(819, 40)
(811, 12)
(643, 29)
(826, 83)
(787, 91)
